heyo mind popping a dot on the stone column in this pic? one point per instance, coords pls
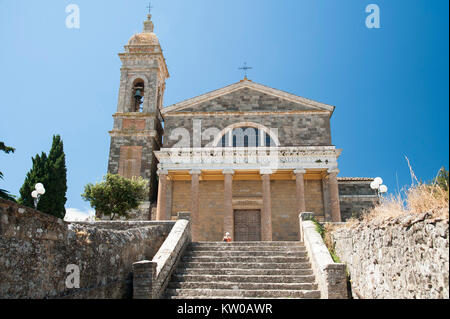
(228, 220)
(334, 195)
(326, 198)
(195, 183)
(169, 197)
(266, 214)
(161, 207)
(300, 186)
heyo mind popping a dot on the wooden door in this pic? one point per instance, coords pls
(247, 225)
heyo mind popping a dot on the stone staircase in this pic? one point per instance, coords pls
(217, 270)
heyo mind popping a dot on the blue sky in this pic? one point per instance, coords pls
(389, 85)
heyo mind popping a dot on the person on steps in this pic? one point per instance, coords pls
(227, 238)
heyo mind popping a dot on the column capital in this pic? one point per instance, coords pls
(228, 171)
(162, 172)
(195, 172)
(299, 171)
(265, 171)
(333, 171)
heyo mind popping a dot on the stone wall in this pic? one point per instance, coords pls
(144, 165)
(35, 249)
(404, 257)
(293, 130)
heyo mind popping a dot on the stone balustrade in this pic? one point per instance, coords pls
(331, 277)
(150, 278)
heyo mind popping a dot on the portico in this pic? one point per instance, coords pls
(245, 189)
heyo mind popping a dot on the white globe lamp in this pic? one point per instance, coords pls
(383, 189)
(41, 191)
(378, 180)
(36, 194)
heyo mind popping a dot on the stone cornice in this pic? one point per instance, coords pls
(140, 55)
(358, 197)
(134, 133)
(251, 85)
(284, 113)
(134, 115)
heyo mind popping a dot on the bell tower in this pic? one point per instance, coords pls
(137, 130)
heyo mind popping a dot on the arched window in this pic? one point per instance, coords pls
(137, 96)
(246, 136)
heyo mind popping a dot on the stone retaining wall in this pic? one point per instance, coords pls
(404, 257)
(35, 249)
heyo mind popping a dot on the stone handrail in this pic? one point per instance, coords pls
(150, 278)
(330, 276)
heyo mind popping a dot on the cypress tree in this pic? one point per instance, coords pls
(56, 187)
(51, 172)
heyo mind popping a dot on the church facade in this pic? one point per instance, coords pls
(244, 159)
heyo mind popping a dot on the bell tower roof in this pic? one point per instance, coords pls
(146, 37)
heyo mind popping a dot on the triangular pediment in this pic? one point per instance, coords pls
(247, 96)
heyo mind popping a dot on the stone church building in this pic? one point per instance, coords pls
(243, 159)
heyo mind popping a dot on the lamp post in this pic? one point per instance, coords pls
(36, 194)
(377, 184)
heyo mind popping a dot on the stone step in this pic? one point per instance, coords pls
(233, 271)
(242, 278)
(241, 285)
(244, 253)
(251, 270)
(244, 265)
(243, 259)
(231, 297)
(211, 293)
(248, 243)
(246, 248)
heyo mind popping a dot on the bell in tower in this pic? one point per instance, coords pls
(138, 91)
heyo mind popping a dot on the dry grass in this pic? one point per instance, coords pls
(417, 199)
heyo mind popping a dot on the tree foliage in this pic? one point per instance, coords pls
(52, 173)
(4, 193)
(6, 149)
(442, 179)
(115, 195)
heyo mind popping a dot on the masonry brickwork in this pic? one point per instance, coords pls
(293, 130)
(248, 195)
(355, 197)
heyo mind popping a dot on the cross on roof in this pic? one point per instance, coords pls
(149, 7)
(245, 68)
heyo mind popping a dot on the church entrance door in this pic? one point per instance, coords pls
(247, 225)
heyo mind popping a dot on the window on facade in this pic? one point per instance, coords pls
(246, 137)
